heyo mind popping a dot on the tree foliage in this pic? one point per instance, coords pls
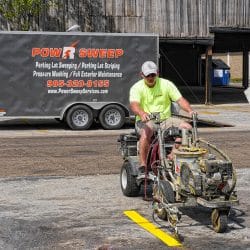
(20, 14)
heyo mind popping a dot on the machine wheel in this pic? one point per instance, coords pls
(160, 211)
(79, 117)
(219, 220)
(128, 181)
(162, 214)
(167, 191)
(112, 117)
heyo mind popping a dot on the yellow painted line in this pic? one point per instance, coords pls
(158, 233)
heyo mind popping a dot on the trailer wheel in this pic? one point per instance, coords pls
(128, 181)
(112, 117)
(79, 117)
(219, 220)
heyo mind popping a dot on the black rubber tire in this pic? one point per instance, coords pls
(167, 191)
(219, 220)
(79, 117)
(128, 181)
(112, 117)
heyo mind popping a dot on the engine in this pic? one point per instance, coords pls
(204, 177)
(216, 175)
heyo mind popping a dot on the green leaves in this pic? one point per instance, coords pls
(20, 14)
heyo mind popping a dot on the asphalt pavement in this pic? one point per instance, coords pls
(87, 212)
(235, 116)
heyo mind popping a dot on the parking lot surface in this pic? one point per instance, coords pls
(86, 212)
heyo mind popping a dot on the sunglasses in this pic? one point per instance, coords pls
(151, 75)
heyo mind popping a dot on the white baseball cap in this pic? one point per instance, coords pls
(148, 68)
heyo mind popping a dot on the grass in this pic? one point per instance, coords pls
(236, 80)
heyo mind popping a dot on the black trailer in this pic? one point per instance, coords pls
(75, 77)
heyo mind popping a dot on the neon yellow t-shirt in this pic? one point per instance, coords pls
(156, 99)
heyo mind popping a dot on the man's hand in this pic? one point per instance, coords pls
(144, 116)
(135, 107)
(192, 112)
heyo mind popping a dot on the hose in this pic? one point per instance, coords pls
(146, 198)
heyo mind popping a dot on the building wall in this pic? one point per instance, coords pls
(177, 18)
(168, 18)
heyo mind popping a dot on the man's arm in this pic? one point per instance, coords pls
(184, 104)
(137, 110)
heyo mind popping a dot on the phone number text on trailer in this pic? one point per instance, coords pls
(78, 83)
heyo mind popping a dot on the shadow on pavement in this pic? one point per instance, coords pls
(220, 94)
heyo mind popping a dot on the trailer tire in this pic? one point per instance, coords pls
(79, 117)
(112, 117)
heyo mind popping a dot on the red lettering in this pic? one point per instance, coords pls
(110, 53)
(55, 52)
(46, 52)
(106, 83)
(93, 53)
(89, 53)
(35, 51)
(82, 53)
(119, 52)
(100, 53)
(89, 83)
